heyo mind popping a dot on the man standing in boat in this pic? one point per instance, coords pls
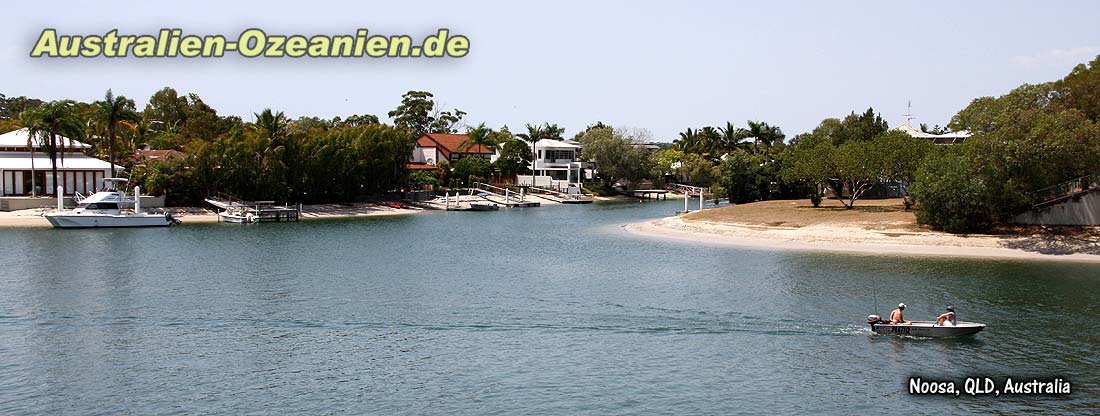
(948, 318)
(898, 315)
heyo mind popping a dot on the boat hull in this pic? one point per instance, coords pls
(928, 329)
(484, 207)
(69, 220)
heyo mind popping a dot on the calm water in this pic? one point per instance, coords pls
(552, 310)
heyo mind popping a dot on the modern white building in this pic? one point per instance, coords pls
(557, 166)
(23, 175)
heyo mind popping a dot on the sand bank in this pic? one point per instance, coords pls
(857, 239)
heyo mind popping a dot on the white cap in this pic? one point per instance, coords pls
(901, 305)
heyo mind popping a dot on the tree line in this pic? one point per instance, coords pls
(1033, 137)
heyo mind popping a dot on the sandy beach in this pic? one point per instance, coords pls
(192, 215)
(899, 238)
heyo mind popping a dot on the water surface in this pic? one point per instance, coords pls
(553, 310)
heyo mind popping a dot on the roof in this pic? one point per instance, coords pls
(73, 161)
(962, 134)
(555, 143)
(154, 154)
(18, 138)
(450, 143)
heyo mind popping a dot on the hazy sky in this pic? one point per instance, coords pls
(663, 65)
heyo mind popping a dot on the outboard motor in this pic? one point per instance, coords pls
(874, 319)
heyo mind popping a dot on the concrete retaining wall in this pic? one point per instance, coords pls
(1083, 210)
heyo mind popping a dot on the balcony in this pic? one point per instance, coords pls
(562, 164)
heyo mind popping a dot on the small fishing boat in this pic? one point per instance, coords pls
(927, 329)
(480, 206)
(110, 207)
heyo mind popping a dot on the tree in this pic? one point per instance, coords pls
(273, 125)
(952, 195)
(472, 169)
(45, 124)
(355, 120)
(515, 158)
(480, 136)
(738, 173)
(1081, 89)
(11, 108)
(418, 112)
(812, 161)
(763, 135)
(615, 157)
(900, 156)
(112, 111)
(858, 168)
(166, 108)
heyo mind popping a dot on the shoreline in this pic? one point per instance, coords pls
(32, 218)
(836, 238)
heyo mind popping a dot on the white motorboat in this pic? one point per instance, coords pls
(927, 329)
(238, 214)
(110, 207)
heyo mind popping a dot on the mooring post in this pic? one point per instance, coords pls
(687, 196)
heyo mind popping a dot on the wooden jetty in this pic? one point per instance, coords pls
(655, 194)
(238, 211)
(503, 196)
(557, 196)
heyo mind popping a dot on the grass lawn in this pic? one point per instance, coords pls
(870, 214)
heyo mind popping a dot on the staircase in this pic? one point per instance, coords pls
(1067, 190)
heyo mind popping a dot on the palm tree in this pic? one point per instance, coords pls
(479, 136)
(731, 137)
(708, 142)
(111, 111)
(552, 131)
(45, 124)
(686, 141)
(534, 134)
(764, 134)
(274, 125)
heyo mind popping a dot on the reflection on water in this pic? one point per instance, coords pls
(552, 310)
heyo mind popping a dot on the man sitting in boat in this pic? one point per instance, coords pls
(898, 315)
(948, 318)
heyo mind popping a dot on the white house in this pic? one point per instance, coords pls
(20, 172)
(557, 166)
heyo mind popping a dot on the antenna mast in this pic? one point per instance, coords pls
(909, 114)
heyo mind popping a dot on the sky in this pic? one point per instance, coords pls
(659, 65)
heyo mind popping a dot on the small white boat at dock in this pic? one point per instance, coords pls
(110, 207)
(245, 212)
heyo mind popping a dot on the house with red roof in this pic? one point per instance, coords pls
(433, 147)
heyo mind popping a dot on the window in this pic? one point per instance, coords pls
(552, 155)
(102, 205)
(39, 182)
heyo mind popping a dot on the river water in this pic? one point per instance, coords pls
(552, 311)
